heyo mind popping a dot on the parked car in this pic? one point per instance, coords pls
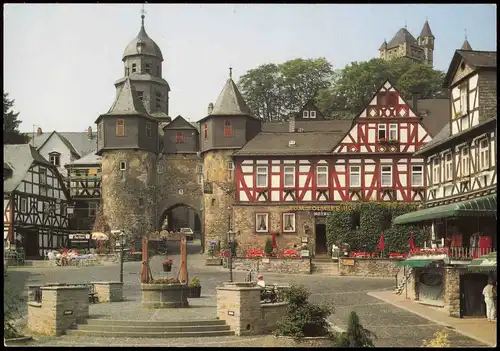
(188, 232)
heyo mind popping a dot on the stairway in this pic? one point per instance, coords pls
(402, 283)
(150, 329)
(324, 265)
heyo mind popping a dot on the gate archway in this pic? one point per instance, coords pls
(180, 215)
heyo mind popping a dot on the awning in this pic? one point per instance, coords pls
(485, 206)
(484, 263)
(415, 263)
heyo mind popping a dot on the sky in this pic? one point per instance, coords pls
(61, 60)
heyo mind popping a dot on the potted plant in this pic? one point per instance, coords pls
(167, 265)
(194, 288)
(212, 259)
(268, 247)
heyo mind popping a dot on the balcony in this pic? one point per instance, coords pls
(453, 253)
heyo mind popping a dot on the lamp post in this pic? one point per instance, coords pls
(122, 237)
(230, 239)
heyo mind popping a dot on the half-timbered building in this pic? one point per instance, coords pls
(35, 202)
(287, 179)
(460, 161)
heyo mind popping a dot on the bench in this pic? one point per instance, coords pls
(93, 296)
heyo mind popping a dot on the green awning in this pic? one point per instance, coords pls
(415, 263)
(485, 206)
(484, 263)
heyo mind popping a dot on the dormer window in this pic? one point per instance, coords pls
(134, 68)
(55, 158)
(312, 114)
(463, 99)
(305, 114)
(179, 137)
(158, 99)
(149, 131)
(228, 128)
(148, 68)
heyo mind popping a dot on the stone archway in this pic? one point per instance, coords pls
(180, 215)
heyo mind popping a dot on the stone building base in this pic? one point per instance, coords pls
(109, 291)
(368, 267)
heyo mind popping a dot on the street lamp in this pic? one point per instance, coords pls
(230, 241)
(122, 241)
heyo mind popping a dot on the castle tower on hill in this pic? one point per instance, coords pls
(403, 44)
(228, 126)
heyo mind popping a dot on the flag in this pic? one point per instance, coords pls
(381, 242)
(273, 238)
(412, 241)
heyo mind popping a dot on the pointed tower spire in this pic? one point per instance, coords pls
(384, 45)
(230, 101)
(426, 30)
(127, 102)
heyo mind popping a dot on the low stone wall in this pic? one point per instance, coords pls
(271, 315)
(164, 296)
(368, 267)
(60, 307)
(273, 265)
(109, 291)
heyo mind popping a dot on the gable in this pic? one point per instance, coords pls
(308, 107)
(179, 123)
(387, 103)
(461, 70)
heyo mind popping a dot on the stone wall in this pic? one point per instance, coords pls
(369, 267)
(248, 239)
(452, 289)
(109, 291)
(61, 306)
(217, 206)
(129, 196)
(273, 265)
(271, 315)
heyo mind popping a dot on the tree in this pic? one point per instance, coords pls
(11, 133)
(274, 91)
(356, 335)
(354, 85)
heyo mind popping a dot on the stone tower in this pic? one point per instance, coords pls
(426, 41)
(228, 127)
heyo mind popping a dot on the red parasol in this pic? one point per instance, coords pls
(412, 241)
(273, 238)
(381, 242)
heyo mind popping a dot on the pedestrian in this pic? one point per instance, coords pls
(260, 281)
(489, 298)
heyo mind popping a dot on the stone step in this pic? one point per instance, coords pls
(138, 334)
(131, 323)
(155, 329)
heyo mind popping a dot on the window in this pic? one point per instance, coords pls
(55, 159)
(123, 165)
(199, 169)
(261, 222)
(43, 176)
(465, 161)
(205, 130)
(289, 173)
(355, 176)
(448, 166)
(63, 209)
(179, 137)
(381, 131)
(99, 131)
(24, 205)
(312, 114)
(305, 114)
(92, 209)
(230, 169)
(484, 154)
(417, 176)
(160, 169)
(134, 68)
(120, 127)
(322, 176)
(393, 131)
(148, 68)
(463, 99)
(261, 177)
(288, 223)
(435, 170)
(228, 128)
(381, 99)
(199, 178)
(158, 99)
(149, 132)
(43, 191)
(386, 172)
(140, 95)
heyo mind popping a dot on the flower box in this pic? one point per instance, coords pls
(194, 292)
(167, 265)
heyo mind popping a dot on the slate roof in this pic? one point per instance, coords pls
(149, 47)
(127, 102)
(477, 59)
(277, 144)
(20, 158)
(89, 159)
(341, 126)
(179, 123)
(426, 30)
(230, 102)
(466, 45)
(435, 114)
(77, 142)
(383, 46)
(402, 36)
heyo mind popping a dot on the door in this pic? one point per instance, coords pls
(471, 295)
(321, 247)
(31, 244)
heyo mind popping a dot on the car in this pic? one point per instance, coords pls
(188, 232)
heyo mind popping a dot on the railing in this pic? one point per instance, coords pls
(461, 252)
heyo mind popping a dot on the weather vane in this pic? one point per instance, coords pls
(143, 12)
(465, 30)
(230, 72)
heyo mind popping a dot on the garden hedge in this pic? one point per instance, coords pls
(374, 218)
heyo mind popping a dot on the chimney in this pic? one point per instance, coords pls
(89, 132)
(210, 108)
(38, 131)
(291, 124)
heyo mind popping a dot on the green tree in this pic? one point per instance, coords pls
(11, 133)
(355, 85)
(356, 335)
(274, 91)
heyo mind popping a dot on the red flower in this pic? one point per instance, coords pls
(167, 262)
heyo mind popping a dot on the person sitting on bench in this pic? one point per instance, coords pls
(260, 281)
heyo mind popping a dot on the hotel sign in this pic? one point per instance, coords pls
(322, 210)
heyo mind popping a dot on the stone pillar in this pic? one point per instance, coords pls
(109, 291)
(452, 290)
(239, 305)
(61, 306)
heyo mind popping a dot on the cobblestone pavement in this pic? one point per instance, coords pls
(393, 326)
